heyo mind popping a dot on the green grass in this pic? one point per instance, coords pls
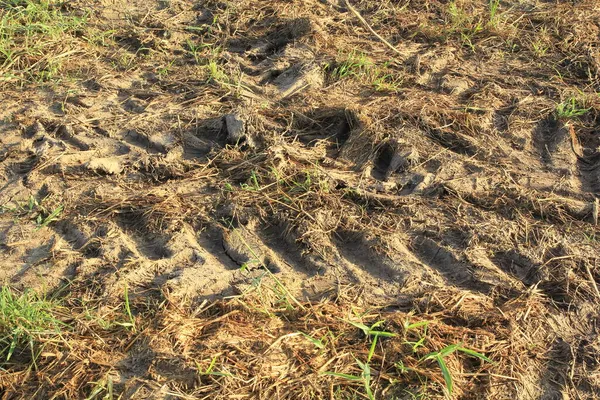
(364, 377)
(30, 31)
(207, 55)
(196, 51)
(439, 356)
(253, 184)
(494, 13)
(372, 331)
(210, 370)
(127, 305)
(35, 211)
(165, 70)
(21, 208)
(385, 81)
(104, 386)
(288, 186)
(354, 64)
(216, 72)
(464, 24)
(539, 48)
(44, 218)
(27, 320)
(415, 345)
(357, 65)
(570, 108)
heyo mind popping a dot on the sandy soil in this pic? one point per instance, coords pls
(445, 172)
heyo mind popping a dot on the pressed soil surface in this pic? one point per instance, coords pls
(212, 189)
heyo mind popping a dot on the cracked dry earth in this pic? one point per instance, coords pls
(461, 179)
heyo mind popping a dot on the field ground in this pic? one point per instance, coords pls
(299, 199)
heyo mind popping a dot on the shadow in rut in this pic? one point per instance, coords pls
(502, 115)
(271, 35)
(354, 247)
(289, 253)
(205, 136)
(547, 136)
(34, 257)
(519, 266)
(458, 273)
(558, 364)
(151, 244)
(330, 125)
(588, 163)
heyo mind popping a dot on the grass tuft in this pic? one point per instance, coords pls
(27, 320)
(33, 34)
(571, 108)
(355, 64)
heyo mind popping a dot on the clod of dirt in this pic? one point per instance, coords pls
(425, 185)
(35, 130)
(245, 249)
(241, 247)
(148, 143)
(288, 32)
(134, 106)
(393, 157)
(110, 165)
(67, 133)
(80, 101)
(455, 85)
(297, 78)
(289, 72)
(43, 144)
(237, 131)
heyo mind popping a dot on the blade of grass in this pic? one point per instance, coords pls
(345, 376)
(372, 349)
(128, 308)
(318, 343)
(473, 353)
(445, 373)
(417, 325)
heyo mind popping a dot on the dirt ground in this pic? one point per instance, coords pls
(217, 192)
